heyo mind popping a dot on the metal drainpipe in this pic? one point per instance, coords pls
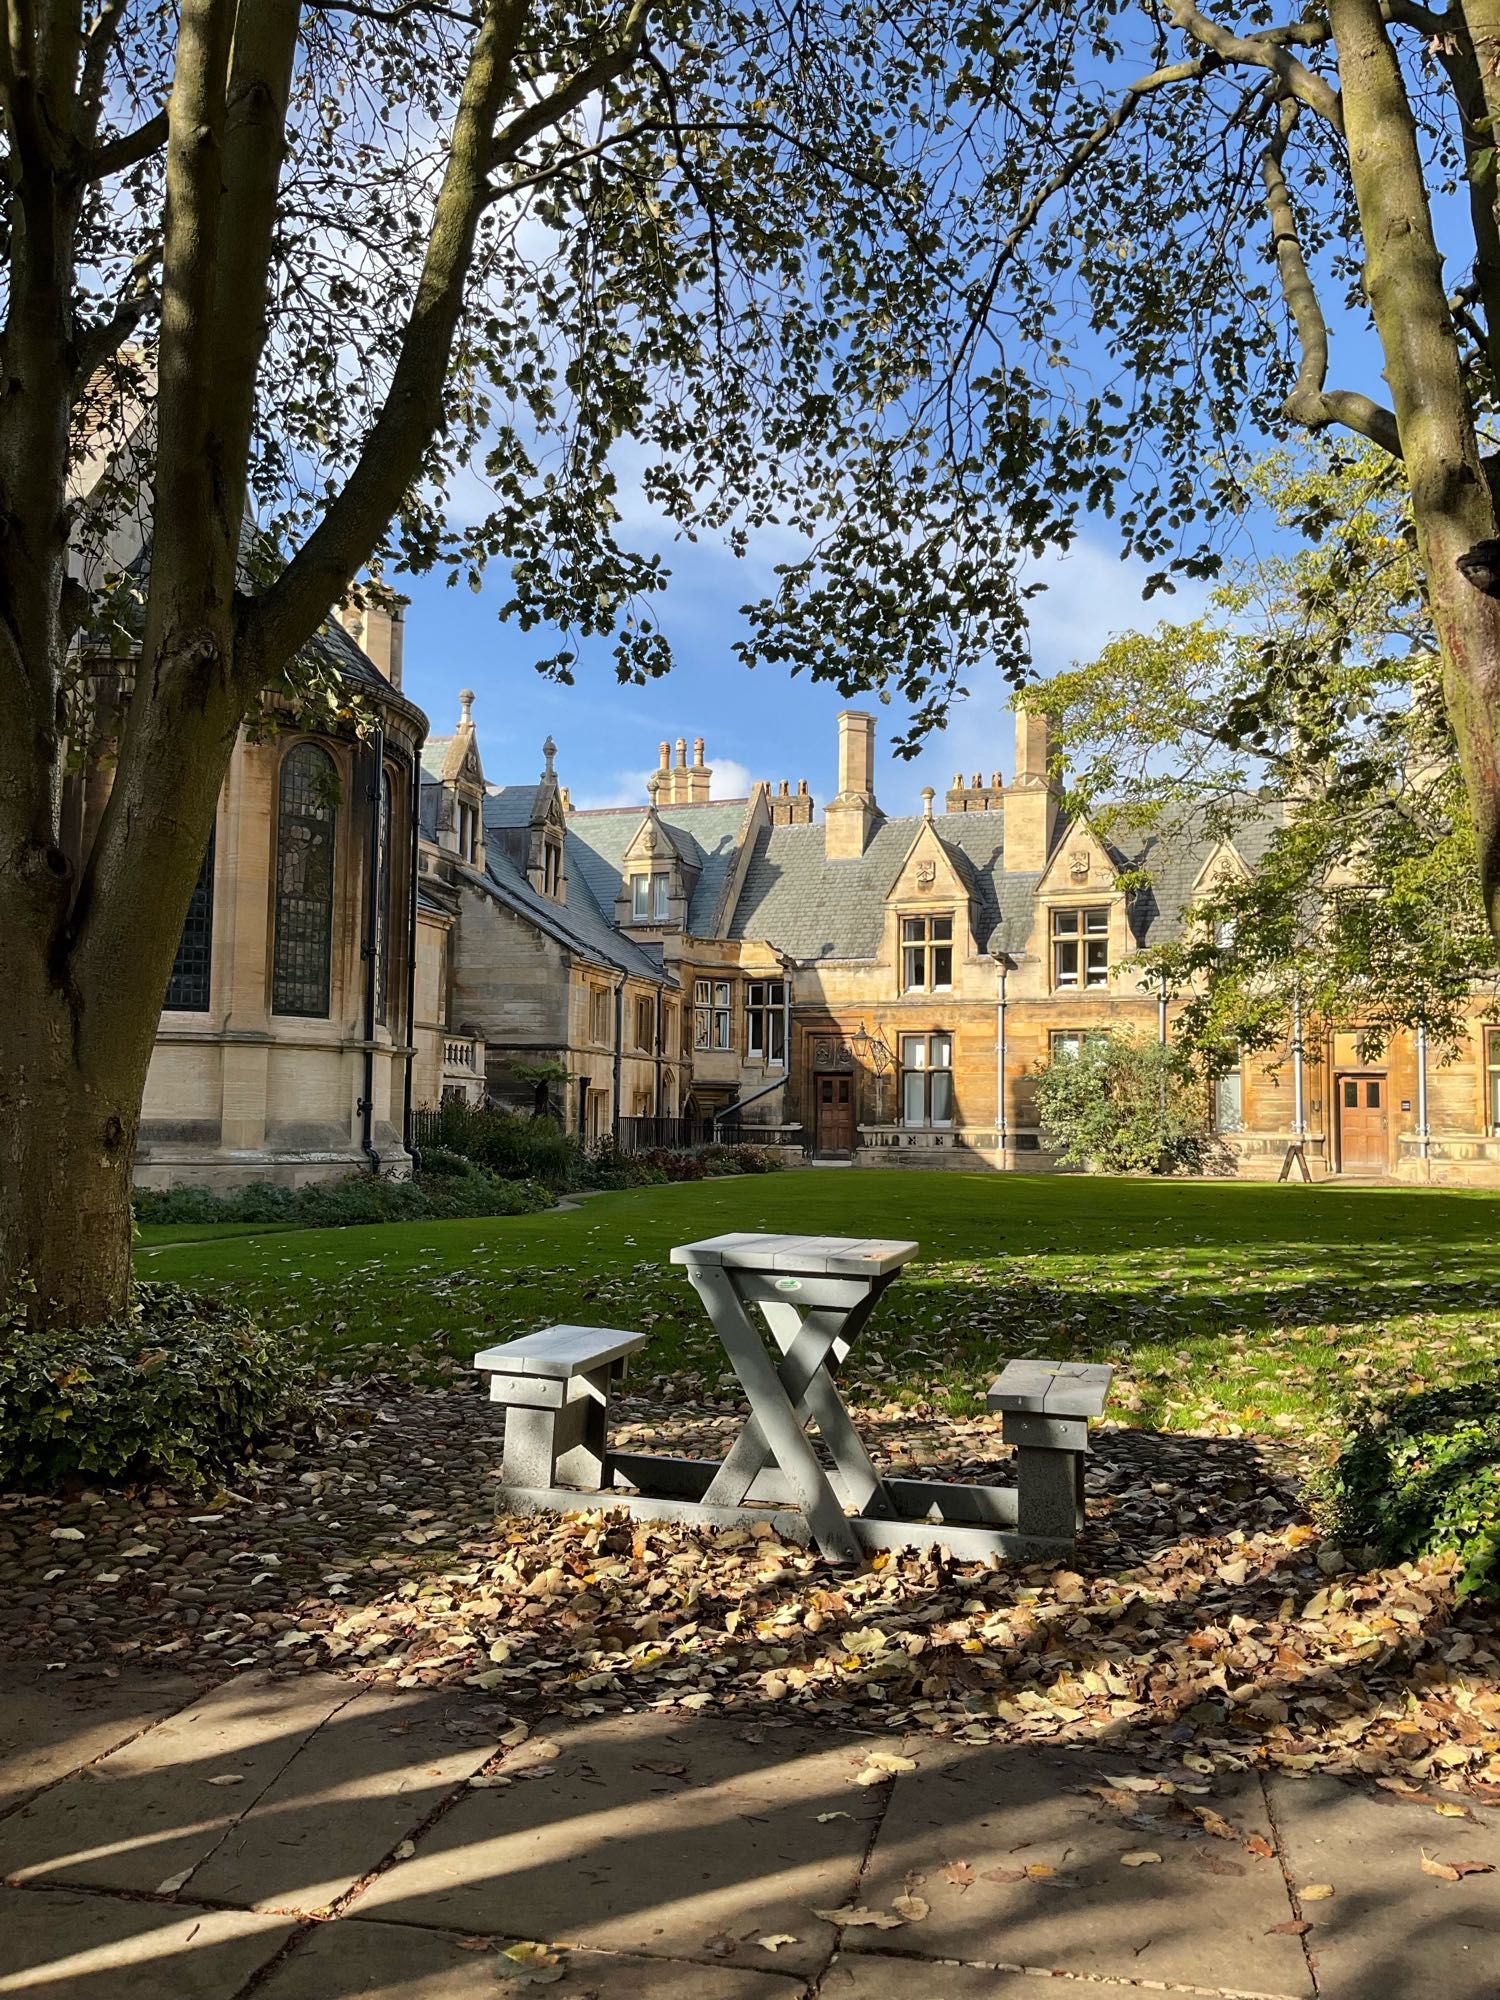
(372, 932)
(619, 1038)
(411, 944)
(661, 1010)
(1161, 1012)
(1299, 1118)
(1423, 1130)
(1001, 1126)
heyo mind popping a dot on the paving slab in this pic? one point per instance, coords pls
(850, 1978)
(367, 1779)
(152, 1812)
(1389, 1928)
(386, 1962)
(1203, 1914)
(682, 1839)
(51, 1723)
(56, 1944)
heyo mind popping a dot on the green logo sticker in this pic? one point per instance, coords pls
(788, 1284)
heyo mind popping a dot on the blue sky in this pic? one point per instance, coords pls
(760, 724)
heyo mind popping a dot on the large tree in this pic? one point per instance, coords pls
(342, 253)
(1297, 724)
(1204, 213)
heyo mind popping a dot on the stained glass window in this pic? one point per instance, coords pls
(306, 822)
(187, 989)
(383, 901)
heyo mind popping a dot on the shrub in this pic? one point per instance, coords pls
(509, 1144)
(180, 1388)
(1125, 1105)
(457, 1188)
(1422, 1477)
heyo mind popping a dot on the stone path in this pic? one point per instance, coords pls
(311, 1837)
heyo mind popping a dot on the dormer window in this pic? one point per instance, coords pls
(1080, 948)
(552, 869)
(468, 832)
(926, 954)
(648, 897)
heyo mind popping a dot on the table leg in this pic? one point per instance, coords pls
(775, 1415)
(824, 1404)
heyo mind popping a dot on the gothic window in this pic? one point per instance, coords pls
(765, 1021)
(711, 1014)
(926, 954)
(187, 989)
(648, 897)
(1080, 948)
(383, 902)
(927, 1079)
(306, 823)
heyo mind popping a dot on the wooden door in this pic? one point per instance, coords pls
(834, 1096)
(1363, 1144)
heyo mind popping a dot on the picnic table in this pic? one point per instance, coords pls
(788, 1310)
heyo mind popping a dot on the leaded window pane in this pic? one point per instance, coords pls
(306, 824)
(383, 901)
(188, 988)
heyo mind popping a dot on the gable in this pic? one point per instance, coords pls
(929, 873)
(1080, 865)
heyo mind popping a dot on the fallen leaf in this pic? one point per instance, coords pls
(856, 1917)
(824, 1818)
(227, 1778)
(405, 1851)
(663, 1770)
(173, 1883)
(1003, 1875)
(960, 1874)
(1293, 1927)
(1258, 1844)
(1454, 1871)
(1140, 1857)
(1315, 1892)
(776, 1940)
(67, 1535)
(913, 1908)
(537, 1964)
(1451, 1811)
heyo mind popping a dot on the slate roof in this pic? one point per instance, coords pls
(510, 805)
(577, 924)
(814, 908)
(707, 836)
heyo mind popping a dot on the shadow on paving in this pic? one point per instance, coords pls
(688, 1840)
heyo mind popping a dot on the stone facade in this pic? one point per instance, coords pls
(879, 988)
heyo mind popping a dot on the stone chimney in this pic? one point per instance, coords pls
(380, 633)
(975, 796)
(700, 777)
(852, 815)
(1031, 800)
(789, 808)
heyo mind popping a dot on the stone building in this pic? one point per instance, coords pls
(380, 927)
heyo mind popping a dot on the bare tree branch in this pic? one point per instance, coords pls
(1263, 51)
(1310, 402)
(117, 155)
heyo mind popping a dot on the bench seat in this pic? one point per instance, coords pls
(555, 1386)
(1045, 1409)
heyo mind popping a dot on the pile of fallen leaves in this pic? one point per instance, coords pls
(1204, 1623)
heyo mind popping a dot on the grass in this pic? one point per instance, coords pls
(1236, 1307)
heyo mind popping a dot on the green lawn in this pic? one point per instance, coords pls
(1229, 1305)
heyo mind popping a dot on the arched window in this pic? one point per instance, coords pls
(383, 901)
(187, 989)
(306, 822)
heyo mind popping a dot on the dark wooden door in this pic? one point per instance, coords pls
(835, 1101)
(1363, 1144)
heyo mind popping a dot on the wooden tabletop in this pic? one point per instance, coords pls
(815, 1256)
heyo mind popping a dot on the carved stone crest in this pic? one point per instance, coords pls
(1078, 864)
(832, 1055)
(926, 874)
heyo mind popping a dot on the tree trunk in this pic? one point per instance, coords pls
(1452, 506)
(68, 1123)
